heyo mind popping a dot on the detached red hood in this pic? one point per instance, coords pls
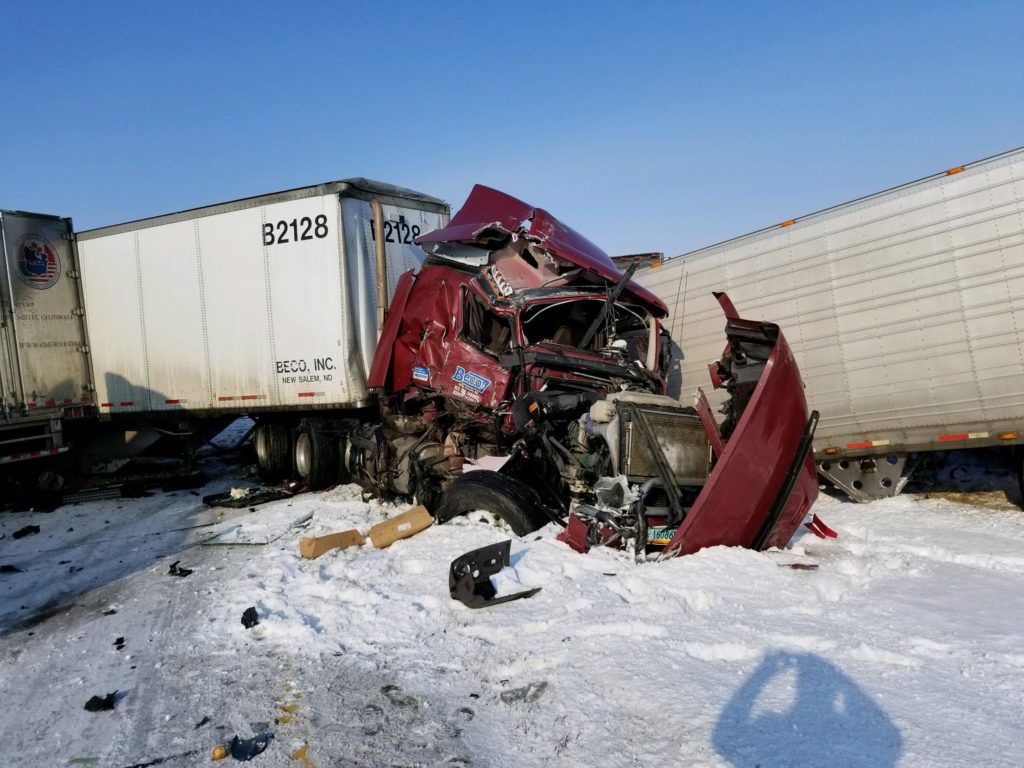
(489, 216)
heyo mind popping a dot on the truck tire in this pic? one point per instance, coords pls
(510, 499)
(316, 455)
(273, 451)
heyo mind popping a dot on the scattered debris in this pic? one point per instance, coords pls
(818, 528)
(469, 578)
(219, 752)
(402, 526)
(382, 535)
(97, 704)
(119, 643)
(247, 749)
(177, 571)
(311, 547)
(110, 612)
(246, 497)
(800, 566)
(9, 569)
(249, 618)
(28, 530)
(201, 723)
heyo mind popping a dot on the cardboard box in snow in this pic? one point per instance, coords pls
(383, 534)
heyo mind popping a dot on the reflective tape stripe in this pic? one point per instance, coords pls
(11, 458)
(963, 436)
(867, 444)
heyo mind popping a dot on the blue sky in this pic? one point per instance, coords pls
(646, 126)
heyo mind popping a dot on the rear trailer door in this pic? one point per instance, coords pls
(403, 222)
(44, 360)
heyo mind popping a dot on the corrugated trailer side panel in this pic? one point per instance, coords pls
(905, 309)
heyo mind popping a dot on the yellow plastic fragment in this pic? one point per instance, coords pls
(219, 752)
(301, 752)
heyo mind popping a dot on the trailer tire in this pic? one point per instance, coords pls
(510, 499)
(273, 451)
(316, 454)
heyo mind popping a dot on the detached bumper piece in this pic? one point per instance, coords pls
(764, 481)
(469, 578)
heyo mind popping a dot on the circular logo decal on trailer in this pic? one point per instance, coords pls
(37, 262)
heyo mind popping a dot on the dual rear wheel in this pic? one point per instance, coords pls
(309, 452)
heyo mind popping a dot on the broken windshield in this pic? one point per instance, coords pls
(625, 329)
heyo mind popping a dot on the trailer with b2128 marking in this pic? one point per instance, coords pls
(905, 310)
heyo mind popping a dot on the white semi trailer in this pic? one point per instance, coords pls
(905, 310)
(270, 304)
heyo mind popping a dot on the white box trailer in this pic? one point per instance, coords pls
(265, 305)
(261, 304)
(45, 375)
(905, 310)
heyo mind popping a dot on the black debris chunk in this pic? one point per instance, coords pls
(161, 760)
(247, 749)
(119, 643)
(176, 571)
(249, 618)
(184, 482)
(133, 489)
(202, 722)
(110, 612)
(253, 498)
(9, 569)
(28, 530)
(469, 577)
(97, 704)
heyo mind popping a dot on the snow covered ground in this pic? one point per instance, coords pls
(905, 647)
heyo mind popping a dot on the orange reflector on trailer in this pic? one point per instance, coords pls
(1008, 436)
(956, 170)
(831, 451)
(788, 223)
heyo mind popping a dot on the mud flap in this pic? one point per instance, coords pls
(469, 578)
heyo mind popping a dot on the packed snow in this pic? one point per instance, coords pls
(905, 646)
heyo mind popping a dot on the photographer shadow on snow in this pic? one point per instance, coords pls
(798, 709)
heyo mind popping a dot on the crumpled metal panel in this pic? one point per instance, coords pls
(489, 217)
(740, 493)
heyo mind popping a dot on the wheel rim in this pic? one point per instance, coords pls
(303, 454)
(262, 447)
